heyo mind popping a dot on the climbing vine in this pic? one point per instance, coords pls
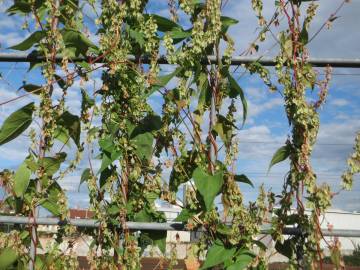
(147, 154)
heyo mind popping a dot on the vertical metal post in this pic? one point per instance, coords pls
(33, 235)
(32, 248)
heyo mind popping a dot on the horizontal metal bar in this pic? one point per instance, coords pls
(169, 226)
(338, 232)
(90, 223)
(235, 61)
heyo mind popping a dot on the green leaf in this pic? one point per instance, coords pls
(153, 238)
(144, 241)
(179, 35)
(204, 99)
(144, 145)
(148, 124)
(242, 261)
(224, 128)
(163, 80)
(108, 159)
(304, 36)
(226, 22)
(151, 196)
(217, 254)
(209, 186)
(52, 164)
(113, 209)
(142, 216)
(85, 65)
(19, 7)
(107, 144)
(72, 124)
(223, 229)
(60, 81)
(234, 91)
(8, 256)
(285, 248)
(182, 171)
(24, 234)
(51, 202)
(164, 24)
(138, 36)
(52, 206)
(87, 102)
(104, 176)
(24, 6)
(260, 244)
(30, 41)
(22, 179)
(31, 163)
(32, 88)
(280, 155)
(85, 176)
(243, 179)
(185, 215)
(62, 135)
(39, 263)
(159, 239)
(77, 41)
(16, 123)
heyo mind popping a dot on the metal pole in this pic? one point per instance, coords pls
(169, 226)
(34, 237)
(33, 240)
(91, 223)
(235, 61)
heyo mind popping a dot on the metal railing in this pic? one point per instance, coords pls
(235, 61)
(168, 226)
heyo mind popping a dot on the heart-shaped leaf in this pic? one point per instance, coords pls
(29, 41)
(22, 179)
(209, 186)
(72, 124)
(280, 155)
(7, 257)
(16, 123)
(234, 91)
(217, 254)
(243, 179)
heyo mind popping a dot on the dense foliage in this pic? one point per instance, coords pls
(194, 137)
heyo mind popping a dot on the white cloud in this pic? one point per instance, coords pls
(10, 39)
(70, 182)
(13, 152)
(255, 93)
(342, 44)
(8, 22)
(339, 102)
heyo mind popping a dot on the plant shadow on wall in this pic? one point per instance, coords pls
(137, 146)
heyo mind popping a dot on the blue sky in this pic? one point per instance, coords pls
(266, 128)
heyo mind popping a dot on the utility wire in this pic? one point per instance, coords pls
(278, 143)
